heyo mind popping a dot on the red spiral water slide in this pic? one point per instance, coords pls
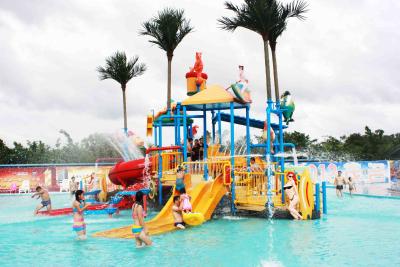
(127, 173)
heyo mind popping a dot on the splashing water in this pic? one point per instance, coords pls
(295, 160)
(125, 145)
(269, 188)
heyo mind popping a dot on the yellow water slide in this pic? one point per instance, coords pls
(306, 193)
(205, 196)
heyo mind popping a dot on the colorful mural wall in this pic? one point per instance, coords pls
(50, 177)
(362, 172)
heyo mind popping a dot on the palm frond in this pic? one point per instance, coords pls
(167, 29)
(296, 9)
(120, 69)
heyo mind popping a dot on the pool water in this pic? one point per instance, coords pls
(357, 231)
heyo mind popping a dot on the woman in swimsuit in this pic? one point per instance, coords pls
(293, 194)
(78, 206)
(139, 228)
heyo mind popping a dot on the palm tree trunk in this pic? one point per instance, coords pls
(169, 83)
(275, 68)
(267, 68)
(124, 105)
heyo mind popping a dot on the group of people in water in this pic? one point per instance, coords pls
(181, 203)
(340, 182)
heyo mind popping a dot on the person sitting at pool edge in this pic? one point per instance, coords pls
(46, 202)
(339, 182)
(177, 213)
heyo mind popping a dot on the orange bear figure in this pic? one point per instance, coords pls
(198, 68)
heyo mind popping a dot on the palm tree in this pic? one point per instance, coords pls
(121, 70)
(167, 30)
(258, 16)
(294, 9)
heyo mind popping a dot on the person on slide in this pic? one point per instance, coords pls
(185, 201)
(177, 213)
(139, 229)
(291, 191)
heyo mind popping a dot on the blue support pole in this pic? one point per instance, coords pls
(317, 200)
(248, 134)
(324, 204)
(184, 135)
(178, 123)
(213, 126)
(268, 154)
(155, 134)
(281, 149)
(219, 127)
(160, 170)
(205, 156)
(232, 157)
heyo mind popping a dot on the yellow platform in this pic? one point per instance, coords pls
(205, 197)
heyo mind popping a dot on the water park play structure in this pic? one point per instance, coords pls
(220, 172)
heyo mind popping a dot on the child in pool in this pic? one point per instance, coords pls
(139, 229)
(185, 201)
(352, 186)
(78, 206)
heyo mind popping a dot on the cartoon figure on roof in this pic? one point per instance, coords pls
(198, 68)
(240, 88)
(287, 103)
(196, 78)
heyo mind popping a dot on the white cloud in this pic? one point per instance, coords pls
(340, 64)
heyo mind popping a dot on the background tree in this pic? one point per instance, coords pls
(258, 16)
(167, 29)
(295, 9)
(122, 70)
(301, 140)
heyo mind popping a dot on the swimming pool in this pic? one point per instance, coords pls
(356, 232)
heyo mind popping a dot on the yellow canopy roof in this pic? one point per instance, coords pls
(212, 95)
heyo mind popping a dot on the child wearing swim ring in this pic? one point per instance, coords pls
(185, 201)
(139, 228)
(78, 206)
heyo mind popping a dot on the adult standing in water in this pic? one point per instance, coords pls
(78, 206)
(291, 191)
(339, 182)
(139, 228)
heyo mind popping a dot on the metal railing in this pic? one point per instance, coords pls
(214, 167)
(169, 162)
(250, 187)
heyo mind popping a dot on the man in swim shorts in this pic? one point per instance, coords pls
(339, 183)
(46, 202)
(177, 213)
